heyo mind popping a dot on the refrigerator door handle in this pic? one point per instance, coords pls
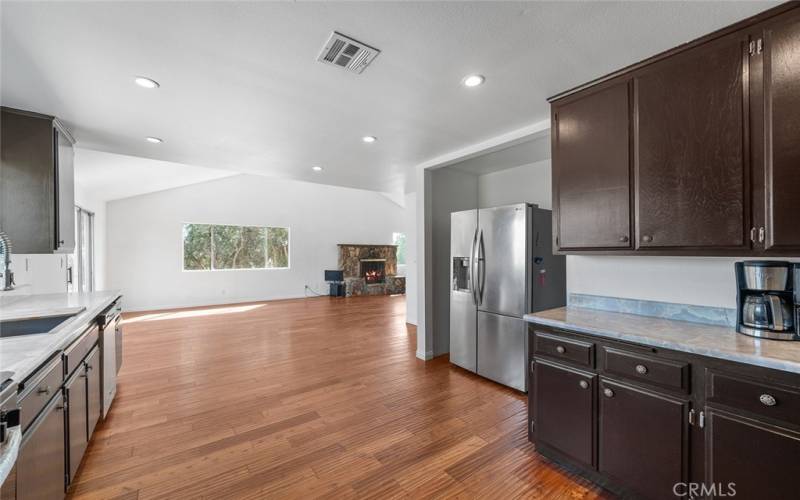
(481, 267)
(473, 260)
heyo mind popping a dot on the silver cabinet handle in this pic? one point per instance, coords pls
(561, 349)
(608, 393)
(44, 390)
(641, 369)
(647, 238)
(753, 234)
(767, 400)
(761, 234)
(584, 384)
(623, 239)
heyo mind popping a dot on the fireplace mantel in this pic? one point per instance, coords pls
(351, 255)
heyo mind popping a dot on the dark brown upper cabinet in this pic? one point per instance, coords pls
(778, 46)
(706, 143)
(37, 187)
(690, 163)
(592, 181)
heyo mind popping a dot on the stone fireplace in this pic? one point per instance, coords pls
(370, 270)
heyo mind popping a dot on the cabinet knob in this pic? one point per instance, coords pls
(584, 384)
(561, 349)
(767, 400)
(641, 369)
(44, 390)
(623, 239)
(608, 393)
(647, 238)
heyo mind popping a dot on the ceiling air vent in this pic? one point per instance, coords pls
(349, 54)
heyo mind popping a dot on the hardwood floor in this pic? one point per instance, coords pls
(307, 398)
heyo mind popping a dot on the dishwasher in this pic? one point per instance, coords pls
(110, 322)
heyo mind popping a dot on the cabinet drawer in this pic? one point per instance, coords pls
(565, 349)
(74, 354)
(771, 401)
(40, 388)
(661, 372)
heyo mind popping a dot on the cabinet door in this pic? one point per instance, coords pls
(27, 213)
(781, 58)
(65, 191)
(643, 439)
(94, 393)
(760, 460)
(691, 163)
(40, 466)
(591, 170)
(565, 404)
(77, 418)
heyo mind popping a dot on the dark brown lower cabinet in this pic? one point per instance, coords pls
(755, 459)
(565, 409)
(77, 417)
(643, 439)
(41, 464)
(94, 394)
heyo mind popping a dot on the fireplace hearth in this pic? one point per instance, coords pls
(373, 270)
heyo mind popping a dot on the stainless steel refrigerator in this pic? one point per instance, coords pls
(502, 267)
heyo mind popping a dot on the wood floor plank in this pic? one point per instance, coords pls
(314, 398)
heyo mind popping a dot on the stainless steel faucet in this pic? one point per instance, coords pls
(8, 275)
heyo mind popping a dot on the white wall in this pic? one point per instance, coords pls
(410, 225)
(525, 184)
(145, 246)
(705, 281)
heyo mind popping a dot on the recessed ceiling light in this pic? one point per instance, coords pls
(316, 168)
(473, 80)
(369, 138)
(146, 82)
(154, 140)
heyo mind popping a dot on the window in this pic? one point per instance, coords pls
(81, 269)
(209, 247)
(399, 239)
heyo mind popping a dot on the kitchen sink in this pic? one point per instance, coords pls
(17, 327)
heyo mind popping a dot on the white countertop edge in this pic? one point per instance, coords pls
(9, 452)
(750, 359)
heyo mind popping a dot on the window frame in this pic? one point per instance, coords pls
(183, 249)
(405, 247)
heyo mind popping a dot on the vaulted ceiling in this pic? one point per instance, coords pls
(241, 88)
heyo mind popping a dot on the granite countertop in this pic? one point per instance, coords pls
(706, 340)
(24, 354)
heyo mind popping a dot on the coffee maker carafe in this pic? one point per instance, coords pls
(765, 300)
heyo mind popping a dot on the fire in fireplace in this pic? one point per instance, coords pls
(373, 270)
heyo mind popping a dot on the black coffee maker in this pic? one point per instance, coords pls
(766, 299)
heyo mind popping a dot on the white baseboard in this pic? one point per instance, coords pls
(425, 356)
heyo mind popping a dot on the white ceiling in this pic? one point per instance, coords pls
(241, 88)
(108, 176)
